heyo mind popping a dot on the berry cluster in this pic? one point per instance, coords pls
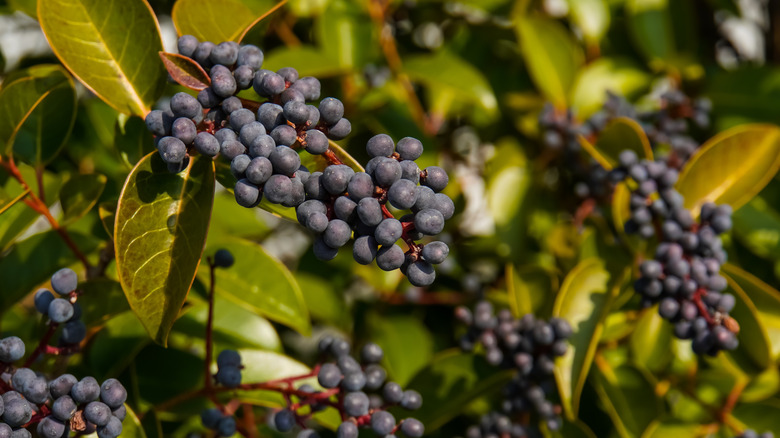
(684, 276)
(527, 345)
(340, 201)
(64, 311)
(362, 391)
(671, 123)
(750, 433)
(229, 368)
(216, 420)
(59, 406)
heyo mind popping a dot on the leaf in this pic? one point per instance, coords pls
(450, 382)
(757, 226)
(308, 60)
(262, 366)
(462, 79)
(25, 102)
(107, 212)
(33, 261)
(111, 46)
(753, 338)
(117, 345)
(622, 134)
(260, 283)
(551, 56)
(160, 230)
(226, 178)
(132, 140)
(591, 16)
(256, 24)
(26, 6)
(732, 167)
(650, 26)
(407, 343)
(103, 299)
(571, 429)
(212, 21)
(79, 194)
(766, 300)
(583, 300)
(529, 288)
(347, 34)
(628, 396)
(759, 416)
(131, 426)
(672, 429)
(18, 218)
(651, 341)
(185, 71)
(618, 75)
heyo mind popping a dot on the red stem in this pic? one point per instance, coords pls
(42, 344)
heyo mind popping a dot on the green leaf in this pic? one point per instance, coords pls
(18, 218)
(308, 60)
(571, 429)
(618, 75)
(111, 46)
(551, 56)
(346, 33)
(107, 212)
(451, 381)
(529, 288)
(26, 6)
(673, 429)
(37, 112)
(732, 167)
(212, 21)
(759, 416)
(132, 140)
(232, 323)
(185, 71)
(753, 338)
(102, 300)
(628, 396)
(160, 230)
(651, 341)
(260, 283)
(262, 366)
(745, 95)
(757, 226)
(621, 134)
(117, 345)
(591, 16)
(766, 300)
(33, 261)
(650, 26)
(131, 426)
(407, 343)
(583, 300)
(463, 80)
(79, 194)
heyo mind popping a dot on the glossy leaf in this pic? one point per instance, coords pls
(160, 230)
(529, 288)
(753, 338)
(308, 60)
(185, 71)
(591, 16)
(33, 260)
(347, 34)
(651, 341)
(732, 167)
(212, 21)
(651, 28)
(628, 396)
(262, 366)
(668, 429)
(618, 75)
(111, 46)
(17, 219)
(551, 56)
(105, 301)
(131, 426)
(583, 300)
(623, 134)
(757, 226)
(766, 300)
(107, 212)
(759, 416)
(450, 382)
(79, 194)
(260, 283)
(407, 343)
(37, 111)
(463, 80)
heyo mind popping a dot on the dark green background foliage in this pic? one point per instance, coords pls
(469, 79)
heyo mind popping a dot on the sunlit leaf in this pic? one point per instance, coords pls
(618, 75)
(766, 300)
(111, 46)
(651, 341)
(622, 134)
(161, 224)
(583, 300)
(732, 167)
(212, 21)
(753, 338)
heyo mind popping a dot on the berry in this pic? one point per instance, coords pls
(382, 422)
(64, 281)
(11, 349)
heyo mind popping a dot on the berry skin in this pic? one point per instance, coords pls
(247, 194)
(187, 45)
(63, 408)
(184, 105)
(226, 426)
(413, 428)
(62, 385)
(73, 332)
(331, 110)
(210, 417)
(409, 148)
(111, 430)
(371, 353)
(380, 145)
(329, 376)
(17, 412)
(113, 393)
(435, 252)
(86, 390)
(411, 400)
(356, 404)
(42, 300)
(382, 423)
(60, 310)
(97, 413)
(11, 349)
(347, 429)
(64, 281)
(229, 376)
(435, 178)
(223, 259)
(284, 420)
(392, 393)
(50, 428)
(421, 273)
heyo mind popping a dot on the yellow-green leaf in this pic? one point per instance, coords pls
(591, 16)
(651, 341)
(583, 300)
(219, 21)
(732, 167)
(618, 75)
(159, 233)
(551, 56)
(79, 194)
(37, 112)
(753, 337)
(111, 46)
(260, 283)
(620, 134)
